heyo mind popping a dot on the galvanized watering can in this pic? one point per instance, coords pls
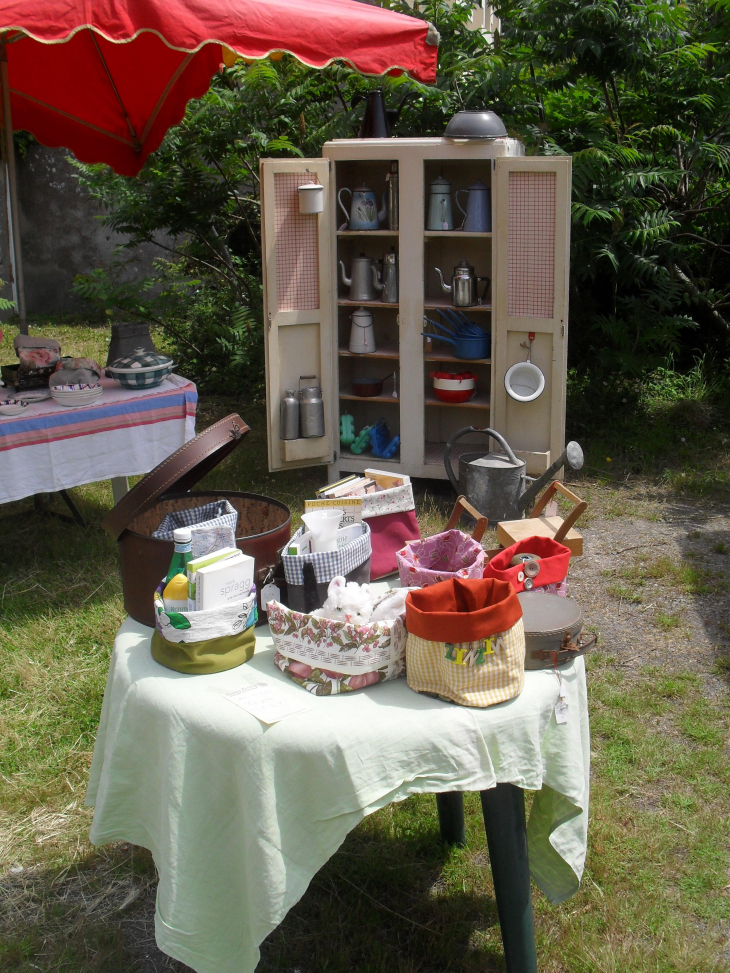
(496, 483)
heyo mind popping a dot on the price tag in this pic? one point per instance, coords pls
(269, 592)
(561, 711)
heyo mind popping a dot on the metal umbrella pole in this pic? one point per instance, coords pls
(16, 259)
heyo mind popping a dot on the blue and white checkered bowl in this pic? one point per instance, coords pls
(141, 370)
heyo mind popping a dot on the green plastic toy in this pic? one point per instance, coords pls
(347, 429)
(361, 443)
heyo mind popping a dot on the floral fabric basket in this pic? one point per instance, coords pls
(450, 554)
(548, 574)
(201, 642)
(328, 656)
(466, 641)
(391, 516)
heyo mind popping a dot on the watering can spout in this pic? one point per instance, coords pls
(572, 455)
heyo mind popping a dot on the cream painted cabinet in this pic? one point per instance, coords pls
(308, 307)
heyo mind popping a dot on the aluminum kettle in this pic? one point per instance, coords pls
(496, 483)
(361, 283)
(463, 286)
(388, 285)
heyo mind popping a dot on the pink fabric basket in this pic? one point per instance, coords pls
(451, 554)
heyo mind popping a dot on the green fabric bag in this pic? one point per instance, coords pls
(202, 658)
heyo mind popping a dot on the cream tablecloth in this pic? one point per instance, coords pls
(240, 816)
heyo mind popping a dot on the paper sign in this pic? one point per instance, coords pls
(265, 702)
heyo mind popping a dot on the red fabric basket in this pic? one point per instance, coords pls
(554, 563)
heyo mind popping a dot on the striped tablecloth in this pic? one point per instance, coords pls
(50, 447)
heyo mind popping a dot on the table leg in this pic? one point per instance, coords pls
(120, 487)
(503, 807)
(450, 809)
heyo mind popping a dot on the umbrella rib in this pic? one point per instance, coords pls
(135, 140)
(163, 97)
(73, 118)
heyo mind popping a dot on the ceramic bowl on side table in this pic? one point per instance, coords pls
(75, 396)
(141, 370)
(12, 407)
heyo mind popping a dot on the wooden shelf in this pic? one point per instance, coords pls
(355, 233)
(479, 401)
(459, 233)
(434, 453)
(380, 353)
(432, 356)
(446, 302)
(366, 455)
(345, 302)
(369, 398)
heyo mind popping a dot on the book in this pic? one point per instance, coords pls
(325, 490)
(202, 562)
(223, 582)
(386, 480)
(351, 508)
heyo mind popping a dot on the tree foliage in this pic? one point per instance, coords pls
(635, 90)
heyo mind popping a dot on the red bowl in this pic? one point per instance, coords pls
(454, 395)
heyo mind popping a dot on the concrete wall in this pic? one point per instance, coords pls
(60, 234)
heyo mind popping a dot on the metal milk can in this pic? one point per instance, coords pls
(440, 216)
(311, 409)
(362, 334)
(497, 484)
(289, 416)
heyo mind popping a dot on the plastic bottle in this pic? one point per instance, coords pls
(183, 537)
(175, 594)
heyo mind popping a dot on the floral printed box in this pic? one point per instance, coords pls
(328, 656)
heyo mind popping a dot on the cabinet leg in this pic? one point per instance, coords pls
(451, 818)
(503, 807)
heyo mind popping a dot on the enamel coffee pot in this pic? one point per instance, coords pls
(364, 213)
(362, 334)
(478, 212)
(439, 205)
(361, 283)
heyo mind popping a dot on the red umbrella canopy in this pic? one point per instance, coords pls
(107, 78)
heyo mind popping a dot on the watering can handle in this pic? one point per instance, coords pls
(463, 432)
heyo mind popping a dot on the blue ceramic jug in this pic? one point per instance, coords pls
(364, 214)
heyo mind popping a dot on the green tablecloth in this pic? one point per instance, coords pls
(239, 816)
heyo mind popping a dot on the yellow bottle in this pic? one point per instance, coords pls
(175, 594)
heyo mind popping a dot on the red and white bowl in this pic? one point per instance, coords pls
(454, 386)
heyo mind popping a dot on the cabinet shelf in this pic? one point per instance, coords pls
(433, 356)
(354, 233)
(380, 353)
(368, 457)
(456, 233)
(346, 302)
(434, 453)
(437, 302)
(350, 397)
(479, 401)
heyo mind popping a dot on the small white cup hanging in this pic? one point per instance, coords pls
(311, 197)
(524, 381)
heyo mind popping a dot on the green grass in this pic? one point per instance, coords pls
(394, 898)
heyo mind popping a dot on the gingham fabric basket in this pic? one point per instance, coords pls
(327, 564)
(466, 641)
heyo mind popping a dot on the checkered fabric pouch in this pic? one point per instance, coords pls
(466, 641)
(213, 526)
(327, 564)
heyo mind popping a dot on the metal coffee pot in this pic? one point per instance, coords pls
(388, 286)
(364, 213)
(478, 212)
(463, 286)
(362, 334)
(439, 205)
(362, 281)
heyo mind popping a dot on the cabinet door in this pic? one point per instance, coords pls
(530, 295)
(298, 311)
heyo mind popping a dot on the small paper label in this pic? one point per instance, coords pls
(561, 711)
(266, 702)
(269, 592)
(552, 509)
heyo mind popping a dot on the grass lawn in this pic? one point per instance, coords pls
(656, 893)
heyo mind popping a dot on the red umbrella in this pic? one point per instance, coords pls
(107, 79)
